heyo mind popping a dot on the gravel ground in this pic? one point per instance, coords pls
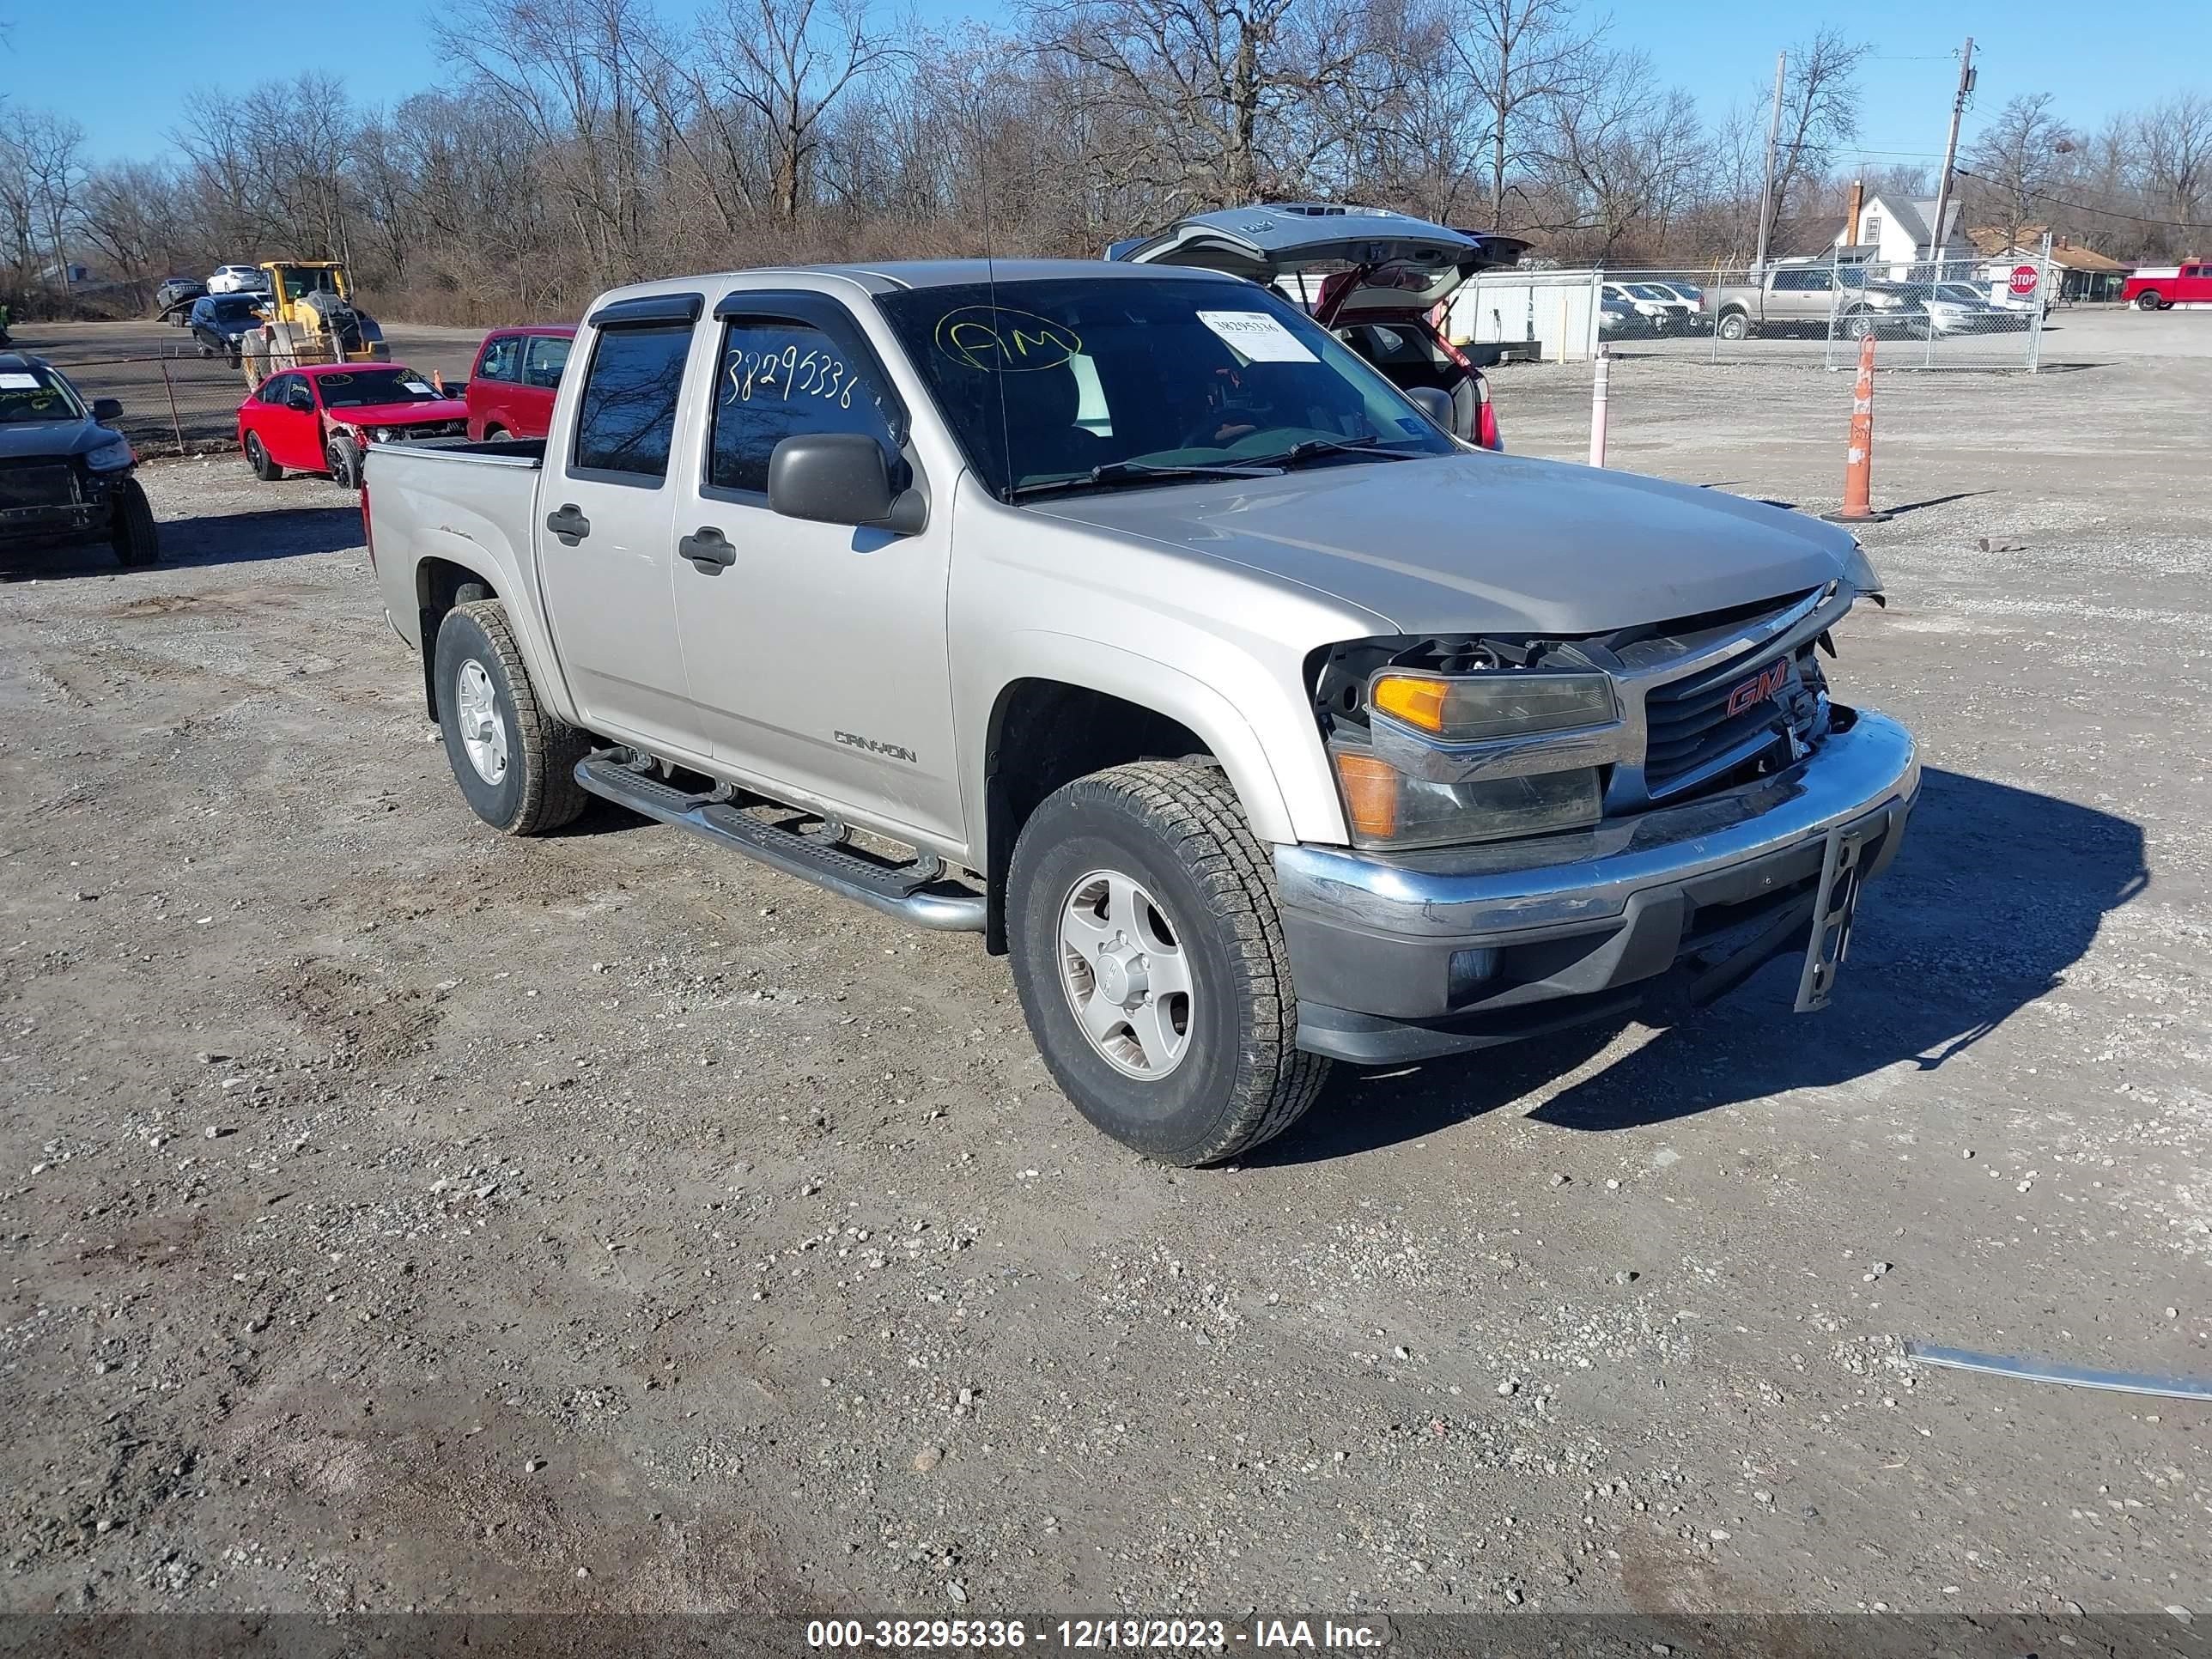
(397, 1217)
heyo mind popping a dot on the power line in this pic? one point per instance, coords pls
(2108, 213)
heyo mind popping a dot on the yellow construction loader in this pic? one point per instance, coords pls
(308, 317)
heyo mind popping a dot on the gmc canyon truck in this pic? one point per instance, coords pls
(1125, 616)
(1808, 296)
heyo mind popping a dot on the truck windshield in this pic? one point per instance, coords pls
(32, 394)
(1079, 383)
(358, 388)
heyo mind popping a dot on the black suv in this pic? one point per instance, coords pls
(64, 477)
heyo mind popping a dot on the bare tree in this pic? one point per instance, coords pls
(2173, 139)
(1626, 158)
(1820, 113)
(1523, 58)
(779, 67)
(1204, 103)
(2015, 161)
(43, 155)
(569, 71)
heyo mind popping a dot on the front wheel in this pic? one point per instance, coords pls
(1149, 962)
(343, 456)
(515, 762)
(135, 539)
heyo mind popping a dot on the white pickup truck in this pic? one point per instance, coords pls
(1124, 615)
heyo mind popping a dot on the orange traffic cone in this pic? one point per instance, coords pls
(1858, 461)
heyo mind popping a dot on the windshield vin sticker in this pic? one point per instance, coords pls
(1259, 337)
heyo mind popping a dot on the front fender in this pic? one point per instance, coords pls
(1259, 736)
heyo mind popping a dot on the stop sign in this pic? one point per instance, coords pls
(2024, 279)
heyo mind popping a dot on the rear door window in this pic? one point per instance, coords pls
(543, 361)
(501, 355)
(625, 419)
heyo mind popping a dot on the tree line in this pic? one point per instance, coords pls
(579, 143)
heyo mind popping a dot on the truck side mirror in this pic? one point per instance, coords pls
(841, 477)
(105, 409)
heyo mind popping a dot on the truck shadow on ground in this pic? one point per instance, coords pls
(1995, 893)
(275, 532)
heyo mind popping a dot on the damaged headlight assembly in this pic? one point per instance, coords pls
(1449, 759)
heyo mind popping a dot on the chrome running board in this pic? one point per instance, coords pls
(916, 893)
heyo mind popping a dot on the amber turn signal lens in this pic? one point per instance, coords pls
(1371, 793)
(1415, 699)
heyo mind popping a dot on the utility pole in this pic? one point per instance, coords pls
(1950, 151)
(1766, 189)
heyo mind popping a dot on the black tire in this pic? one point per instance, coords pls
(135, 539)
(495, 434)
(1733, 325)
(1176, 829)
(343, 456)
(538, 790)
(257, 457)
(2149, 300)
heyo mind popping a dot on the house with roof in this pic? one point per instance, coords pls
(2081, 275)
(1893, 232)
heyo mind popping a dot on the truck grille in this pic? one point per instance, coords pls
(1699, 728)
(37, 483)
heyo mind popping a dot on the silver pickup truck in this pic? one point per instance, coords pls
(1123, 614)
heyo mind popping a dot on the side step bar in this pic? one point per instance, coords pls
(914, 893)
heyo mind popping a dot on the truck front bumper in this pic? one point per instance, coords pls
(1431, 953)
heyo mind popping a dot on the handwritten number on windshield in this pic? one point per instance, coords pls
(784, 374)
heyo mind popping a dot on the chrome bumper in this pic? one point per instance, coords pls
(1373, 938)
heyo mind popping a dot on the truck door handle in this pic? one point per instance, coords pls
(708, 549)
(568, 524)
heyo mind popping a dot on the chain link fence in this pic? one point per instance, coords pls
(182, 401)
(1961, 313)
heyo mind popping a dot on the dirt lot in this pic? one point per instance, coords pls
(399, 1217)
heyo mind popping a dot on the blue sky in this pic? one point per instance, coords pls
(125, 79)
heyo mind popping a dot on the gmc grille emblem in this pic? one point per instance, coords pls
(1759, 687)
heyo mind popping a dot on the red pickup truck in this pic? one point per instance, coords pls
(511, 388)
(2154, 288)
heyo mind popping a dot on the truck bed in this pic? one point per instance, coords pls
(457, 499)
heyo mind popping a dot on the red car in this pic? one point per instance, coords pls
(324, 418)
(511, 388)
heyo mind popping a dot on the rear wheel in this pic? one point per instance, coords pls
(257, 457)
(515, 762)
(135, 539)
(2149, 300)
(1149, 962)
(1734, 325)
(495, 434)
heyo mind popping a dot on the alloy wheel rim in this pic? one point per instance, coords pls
(1126, 975)
(482, 728)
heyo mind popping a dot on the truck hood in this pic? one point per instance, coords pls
(1490, 543)
(408, 414)
(50, 439)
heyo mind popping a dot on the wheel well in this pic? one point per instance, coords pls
(1735, 308)
(1045, 733)
(438, 585)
